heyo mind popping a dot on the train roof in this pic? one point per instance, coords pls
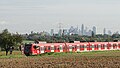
(81, 43)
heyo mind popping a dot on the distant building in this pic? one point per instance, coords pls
(94, 30)
(82, 29)
(109, 32)
(65, 32)
(104, 31)
(60, 32)
(52, 32)
(71, 30)
(90, 33)
(79, 32)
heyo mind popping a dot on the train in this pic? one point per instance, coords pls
(41, 48)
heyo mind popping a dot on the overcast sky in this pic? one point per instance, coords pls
(24, 16)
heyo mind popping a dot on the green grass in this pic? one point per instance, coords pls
(92, 53)
(17, 54)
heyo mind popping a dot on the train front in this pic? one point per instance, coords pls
(28, 49)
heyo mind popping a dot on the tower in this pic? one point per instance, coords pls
(94, 30)
(104, 31)
(82, 29)
(52, 32)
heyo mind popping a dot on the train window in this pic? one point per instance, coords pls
(48, 47)
(91, 46)
(42, 48)
(45, 48)
(60, 48)
(36, 47)
(75, 46)
(102, 46)
(81, 46)
(119, 45)
(96, 46)
(55, 48)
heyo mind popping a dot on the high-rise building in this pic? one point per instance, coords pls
(65, 32)
(90, 33)
(79, 32)
(52, 32)
(60, 32)
(82, 29)
(94, 30)
(71, 30)
(104, 31)
(109, 32)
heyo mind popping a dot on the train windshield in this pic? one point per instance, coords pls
(27, 48)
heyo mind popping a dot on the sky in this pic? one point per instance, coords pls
(24, 16)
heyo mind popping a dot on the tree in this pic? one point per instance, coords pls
(8, 40)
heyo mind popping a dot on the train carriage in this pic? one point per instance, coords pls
(40, 48)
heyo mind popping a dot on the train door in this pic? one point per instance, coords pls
(61, 48)
(99, 46)
(111, 44)
(52, 48)
(85, 47)
(105, 46)
(93, 47)
(42, 49)
(78, 48)
(70, 48)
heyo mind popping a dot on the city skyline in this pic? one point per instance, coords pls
(83, 30)
(24, 16)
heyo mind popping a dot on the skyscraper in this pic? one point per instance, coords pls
(60, 32)
(104, 31)
(94, 30)
(65, 32)
(109, 32)
(52, 32)
(82, 29)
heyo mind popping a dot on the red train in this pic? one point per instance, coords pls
(35, 49)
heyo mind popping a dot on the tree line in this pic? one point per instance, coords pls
(74, 37)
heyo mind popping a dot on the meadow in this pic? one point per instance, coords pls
(96, 59)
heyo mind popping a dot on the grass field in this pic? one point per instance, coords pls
(99, 59)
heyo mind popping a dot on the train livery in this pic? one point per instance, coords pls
(40, 48)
